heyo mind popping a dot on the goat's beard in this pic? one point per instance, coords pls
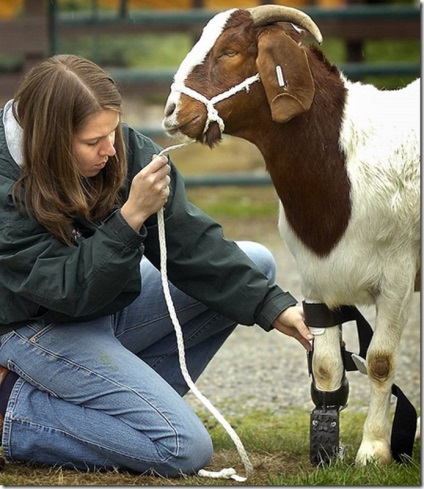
(212, 136)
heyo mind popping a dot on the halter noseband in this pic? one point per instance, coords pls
(213, 115)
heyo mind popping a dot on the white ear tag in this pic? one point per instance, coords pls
(280, 76)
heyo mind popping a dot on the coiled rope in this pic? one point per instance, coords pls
(229, 473)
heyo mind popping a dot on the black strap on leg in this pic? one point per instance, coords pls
(405, 418)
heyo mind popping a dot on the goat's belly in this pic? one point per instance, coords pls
(328, 282)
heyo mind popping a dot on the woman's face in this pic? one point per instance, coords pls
(94, 143)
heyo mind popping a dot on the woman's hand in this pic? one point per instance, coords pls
(291, 322)
(148, 193)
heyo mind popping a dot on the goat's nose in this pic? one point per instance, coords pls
(169, 109)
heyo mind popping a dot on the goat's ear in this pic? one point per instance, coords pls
(285, 74)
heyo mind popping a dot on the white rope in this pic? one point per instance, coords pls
(225, 473)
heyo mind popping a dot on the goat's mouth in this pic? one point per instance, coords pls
(189, 129)
(193, 130)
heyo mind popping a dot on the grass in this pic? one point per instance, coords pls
(277, 445)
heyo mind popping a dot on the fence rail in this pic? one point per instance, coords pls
(376, 22)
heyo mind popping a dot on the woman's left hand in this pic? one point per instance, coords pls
(291, 323)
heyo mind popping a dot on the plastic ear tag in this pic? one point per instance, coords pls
(280, 76)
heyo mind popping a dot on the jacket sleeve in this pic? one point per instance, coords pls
(209, 267)
(59, 282)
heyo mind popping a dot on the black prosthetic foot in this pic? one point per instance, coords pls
(324, 435)
(325, 424)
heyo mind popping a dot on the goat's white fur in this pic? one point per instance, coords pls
(210, 34)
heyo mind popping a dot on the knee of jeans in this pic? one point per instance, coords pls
(261, 256)
(192, 453)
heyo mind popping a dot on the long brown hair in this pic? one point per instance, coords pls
(55, 99)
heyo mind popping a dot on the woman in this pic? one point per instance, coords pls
(90, 375)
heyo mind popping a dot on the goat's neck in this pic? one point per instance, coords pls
(309, 172)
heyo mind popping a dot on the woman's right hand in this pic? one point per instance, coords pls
(148, 193)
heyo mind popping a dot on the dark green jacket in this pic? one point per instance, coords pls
(42, 278)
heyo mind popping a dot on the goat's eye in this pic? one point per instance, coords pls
(229, 52)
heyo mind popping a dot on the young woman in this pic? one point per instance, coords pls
(89, 366)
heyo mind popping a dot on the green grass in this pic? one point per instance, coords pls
(131, 50)
(235, 201)
(277, 444)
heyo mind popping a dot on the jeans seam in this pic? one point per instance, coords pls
(104, 448)
(7, 427)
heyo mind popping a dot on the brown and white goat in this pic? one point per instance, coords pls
(344, 159)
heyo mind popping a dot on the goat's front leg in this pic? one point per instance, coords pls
(381, 366)
(329, 391)
(327, 364)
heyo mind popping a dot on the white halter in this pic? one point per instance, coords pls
(213, 115)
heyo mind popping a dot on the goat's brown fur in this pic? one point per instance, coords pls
(307, 170)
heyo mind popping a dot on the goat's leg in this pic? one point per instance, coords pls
(329, 392)
(327, 364)
(381, 365)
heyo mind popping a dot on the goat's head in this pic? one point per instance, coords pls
(237, 49)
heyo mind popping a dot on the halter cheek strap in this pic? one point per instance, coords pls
(213, 115)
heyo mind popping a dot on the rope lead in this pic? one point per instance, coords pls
(225, 473)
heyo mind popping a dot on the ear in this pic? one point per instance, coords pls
(285, 74)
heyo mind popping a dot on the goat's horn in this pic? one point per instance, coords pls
(268, 14)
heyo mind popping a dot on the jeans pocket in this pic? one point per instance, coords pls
(34, 331)
(19, 351)
(39, 330)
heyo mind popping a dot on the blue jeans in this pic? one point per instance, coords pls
(108, 393)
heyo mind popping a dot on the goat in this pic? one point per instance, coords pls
(344, 160)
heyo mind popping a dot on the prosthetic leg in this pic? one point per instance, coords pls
(324, 427)
(324, 419)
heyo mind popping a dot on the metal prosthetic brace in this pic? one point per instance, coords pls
(324, 428)
(324, 420)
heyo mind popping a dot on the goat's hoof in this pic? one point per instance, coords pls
(374, 452)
